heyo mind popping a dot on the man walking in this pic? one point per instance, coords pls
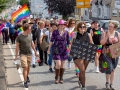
(23, 45)
(40, 31)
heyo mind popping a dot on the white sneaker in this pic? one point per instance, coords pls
(69, 65)
(83, 88)
(97, 69)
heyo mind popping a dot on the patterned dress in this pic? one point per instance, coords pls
(60, 42)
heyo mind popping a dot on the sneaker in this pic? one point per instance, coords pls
(69, 65)
(111, 87)
(107, 86)
(25, 85)
(51, 70)
(97, 69)
(28, 80)
(33, 65)
(83, 88)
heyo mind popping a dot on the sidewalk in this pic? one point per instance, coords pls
(3, 85)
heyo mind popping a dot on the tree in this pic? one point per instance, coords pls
(5, 3)
(22, 2)
(2, 5)
(63, 7)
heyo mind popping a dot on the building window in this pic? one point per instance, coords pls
(86, 13)
(114, 13)
(99, 11)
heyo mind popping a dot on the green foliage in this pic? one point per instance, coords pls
(2, 5)
(63, 7)
(22, 2)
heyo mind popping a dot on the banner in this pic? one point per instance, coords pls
(83, 50)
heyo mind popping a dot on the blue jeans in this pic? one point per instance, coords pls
(50, 58)
(69, 58)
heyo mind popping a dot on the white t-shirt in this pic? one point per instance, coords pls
(41, 33)
(48, 33)
(69, 29)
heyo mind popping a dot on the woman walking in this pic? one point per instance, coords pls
(5, 32)
(70, 29)
(109, 38)
(12, 32)
(81, 34)
(49, 34)
(59, 39)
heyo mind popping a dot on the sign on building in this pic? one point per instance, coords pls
(83, 3)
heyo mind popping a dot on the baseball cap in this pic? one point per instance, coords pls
(94, 21)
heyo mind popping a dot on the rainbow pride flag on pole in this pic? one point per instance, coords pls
(21, 13)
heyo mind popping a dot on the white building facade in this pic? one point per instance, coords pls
(106, 9)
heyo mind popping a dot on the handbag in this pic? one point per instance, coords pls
(105, 63)
(44, 45)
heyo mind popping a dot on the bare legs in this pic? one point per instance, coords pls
(110, 78)
(82, 65)
(97, 62)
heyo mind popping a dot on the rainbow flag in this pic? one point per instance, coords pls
(20, 30)
(20, 14)
(70, 38)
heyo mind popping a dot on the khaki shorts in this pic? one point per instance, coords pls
(25, 60)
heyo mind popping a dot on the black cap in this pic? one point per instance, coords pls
(94, 21)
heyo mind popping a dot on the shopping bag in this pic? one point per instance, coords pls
(105, 64)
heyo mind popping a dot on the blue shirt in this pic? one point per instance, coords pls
(11, 28)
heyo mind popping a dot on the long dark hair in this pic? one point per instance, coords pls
(70, 21)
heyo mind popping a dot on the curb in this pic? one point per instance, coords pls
(4, 76)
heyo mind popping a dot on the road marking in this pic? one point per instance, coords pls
(19, 70)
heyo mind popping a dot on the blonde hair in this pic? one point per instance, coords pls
(40, 23)
(114, 23)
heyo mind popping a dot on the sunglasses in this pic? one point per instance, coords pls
(83, 27)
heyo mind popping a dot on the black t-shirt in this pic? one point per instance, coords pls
(96, 36)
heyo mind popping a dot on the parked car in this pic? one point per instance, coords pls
(104, 24)
(88, 24)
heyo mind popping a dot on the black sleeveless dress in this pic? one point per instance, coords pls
(84, 37)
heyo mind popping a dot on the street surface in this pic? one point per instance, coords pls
(2, 70)
(42, 79)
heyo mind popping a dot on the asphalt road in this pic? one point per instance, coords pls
(42, 79)
(2, 70)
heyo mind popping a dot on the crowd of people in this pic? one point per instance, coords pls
(53, 40)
